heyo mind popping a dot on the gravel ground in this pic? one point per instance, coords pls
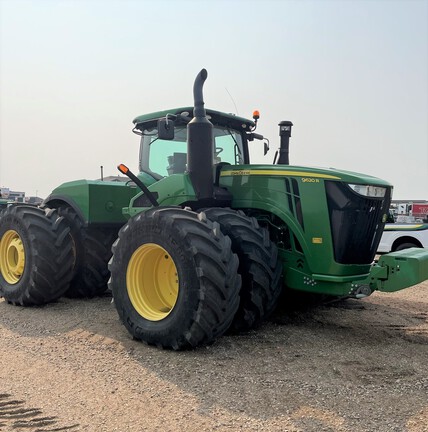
(345, 366)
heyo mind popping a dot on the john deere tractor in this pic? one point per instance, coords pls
(200, 241)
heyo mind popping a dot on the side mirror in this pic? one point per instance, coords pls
(266, 148)
(252, 136)
(166, 129)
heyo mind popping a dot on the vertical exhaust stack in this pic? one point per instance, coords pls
(285, 134)
(200, 144)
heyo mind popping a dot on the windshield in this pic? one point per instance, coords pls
(166, 157)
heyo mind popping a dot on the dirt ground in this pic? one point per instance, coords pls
(356, 365)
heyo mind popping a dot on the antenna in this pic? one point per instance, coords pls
(236, 109)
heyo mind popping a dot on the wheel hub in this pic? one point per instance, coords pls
(152, 282)
(12, 257)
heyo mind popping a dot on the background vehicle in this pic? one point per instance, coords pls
(398, 236)
(420, 211)
(206, 241)
(410, 212)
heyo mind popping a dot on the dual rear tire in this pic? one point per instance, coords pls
(92, 252)
(46, 253)
(36, 256)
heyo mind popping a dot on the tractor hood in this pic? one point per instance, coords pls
(307, 174)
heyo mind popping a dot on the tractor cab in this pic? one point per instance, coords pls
(163, 146)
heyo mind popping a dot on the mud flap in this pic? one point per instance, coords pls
(399, 270)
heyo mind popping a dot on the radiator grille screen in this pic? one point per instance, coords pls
(356, 223)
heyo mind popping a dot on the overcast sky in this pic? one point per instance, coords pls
(351, 75)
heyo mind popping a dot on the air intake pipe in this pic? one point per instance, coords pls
(285, 134)
(200, 144)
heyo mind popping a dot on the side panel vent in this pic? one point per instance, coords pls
(293, 199)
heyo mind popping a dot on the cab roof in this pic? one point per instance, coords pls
(186, 113)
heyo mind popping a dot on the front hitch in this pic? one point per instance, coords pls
(398, 270)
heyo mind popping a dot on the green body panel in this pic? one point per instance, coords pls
(297, 275)
(259, 190)
(173, 190)
(98, 202)
(313, 268)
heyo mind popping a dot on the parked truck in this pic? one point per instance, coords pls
(411, 212)
(397, 236)
(200, 241)
(420, 210)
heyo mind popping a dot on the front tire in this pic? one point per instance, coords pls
(36, 256)
(174, 278)
(407, 245)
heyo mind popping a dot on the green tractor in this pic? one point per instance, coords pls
(200, 241)
(3, 203)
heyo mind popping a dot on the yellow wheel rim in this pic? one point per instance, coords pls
(12, 257)
(152, 282)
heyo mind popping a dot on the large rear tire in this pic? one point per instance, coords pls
(174, 278)
(259, 266)
(36, 257)
(92, 252)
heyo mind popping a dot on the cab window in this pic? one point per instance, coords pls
(166, 157)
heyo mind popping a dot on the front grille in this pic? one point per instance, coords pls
(356, 223)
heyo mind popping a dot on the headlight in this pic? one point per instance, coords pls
(368, 190)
